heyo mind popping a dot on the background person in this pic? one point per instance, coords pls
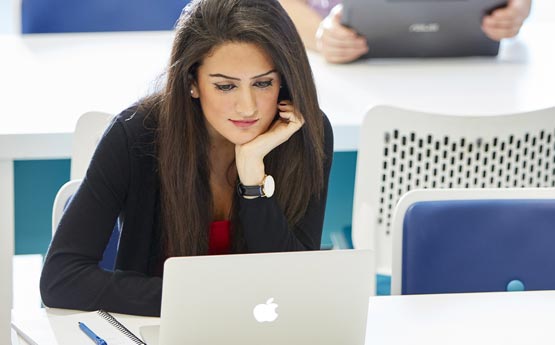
(319, 24)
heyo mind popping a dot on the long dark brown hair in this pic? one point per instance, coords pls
(182, 138)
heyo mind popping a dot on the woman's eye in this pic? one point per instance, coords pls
(225, 87)
(263, 84)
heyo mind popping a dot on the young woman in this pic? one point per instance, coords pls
(189, 170)
(319, 24)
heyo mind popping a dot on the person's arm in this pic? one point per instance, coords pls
(506, 22)
(336, 42)
(266, 214)
(306, 20)
(71, 277)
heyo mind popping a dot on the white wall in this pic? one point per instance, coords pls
(9, 12)
(542, 10)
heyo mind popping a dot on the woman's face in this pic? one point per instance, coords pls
(238, 89)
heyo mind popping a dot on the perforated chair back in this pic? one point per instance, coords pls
(474, 240)
(401, 150)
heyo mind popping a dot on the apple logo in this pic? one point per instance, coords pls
(265, 312)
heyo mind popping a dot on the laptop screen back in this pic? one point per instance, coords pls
(318, 297)
(422, 28)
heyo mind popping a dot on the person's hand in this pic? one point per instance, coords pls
(506, 22)
(249, 156)
(338, 43)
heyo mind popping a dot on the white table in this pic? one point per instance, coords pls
(48, 81)
(479, 318)
(505, 318)
(521, 78)
(41, 325)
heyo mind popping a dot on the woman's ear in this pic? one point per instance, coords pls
(194, 91)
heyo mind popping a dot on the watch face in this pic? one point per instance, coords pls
(269, 186)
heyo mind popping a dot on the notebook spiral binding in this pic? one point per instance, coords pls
(114, 322)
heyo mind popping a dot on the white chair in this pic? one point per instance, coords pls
(473, 240)
(401, 150)
(88, 131)
(60, 201)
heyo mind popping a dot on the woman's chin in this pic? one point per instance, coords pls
(242, 139)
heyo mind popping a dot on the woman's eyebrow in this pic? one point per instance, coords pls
(263, 74)
(219, 75)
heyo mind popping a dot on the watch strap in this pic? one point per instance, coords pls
(243, 190)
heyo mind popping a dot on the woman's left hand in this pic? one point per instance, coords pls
(249, 156)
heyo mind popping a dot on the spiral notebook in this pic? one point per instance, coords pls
(123, 331)
(51, 329)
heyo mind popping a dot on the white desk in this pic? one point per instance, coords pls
(48, 81)
(521, 78)
(47, 331)
(484, 318)
(480, 318)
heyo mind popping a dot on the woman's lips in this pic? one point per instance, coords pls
(244, 123)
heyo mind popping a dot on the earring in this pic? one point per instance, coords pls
(192, 92)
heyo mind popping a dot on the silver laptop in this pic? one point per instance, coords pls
(422, 28)
(294, 298)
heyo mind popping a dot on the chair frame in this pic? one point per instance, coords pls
(60, 201)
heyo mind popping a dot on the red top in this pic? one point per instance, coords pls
(219, 241)
(218, 238)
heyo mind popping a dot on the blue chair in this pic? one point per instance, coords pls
(56, 16)
(474, 240)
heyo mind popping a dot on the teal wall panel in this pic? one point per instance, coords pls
(36, 183)
(339, 208)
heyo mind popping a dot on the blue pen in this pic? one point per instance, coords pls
(98, 340)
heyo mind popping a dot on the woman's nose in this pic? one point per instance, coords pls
(246, 104)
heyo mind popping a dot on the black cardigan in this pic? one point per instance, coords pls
(122, 184)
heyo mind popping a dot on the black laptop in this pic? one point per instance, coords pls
(422, 28)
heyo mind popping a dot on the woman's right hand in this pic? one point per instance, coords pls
(336, 42)
(249, 157)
